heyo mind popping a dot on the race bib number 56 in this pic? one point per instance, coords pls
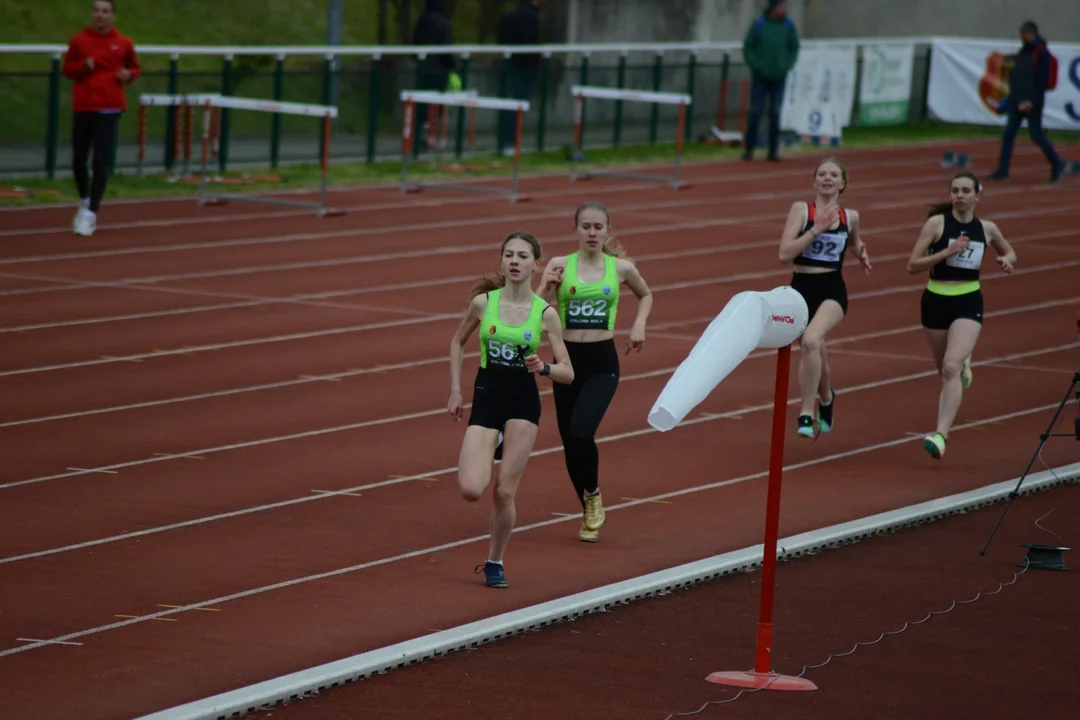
(504, 353)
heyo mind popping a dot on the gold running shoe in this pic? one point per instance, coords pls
(966, 376)
(594, 512)
(587, 535)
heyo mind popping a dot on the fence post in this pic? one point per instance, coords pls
(275, 122)
(373, 107)
(329, 71)
(459, 129)
(170, 116)
(545, 71)
(621, 84)
(583, 79)
(52, 123)
(657, 72)
(690, 85)
(223, 128)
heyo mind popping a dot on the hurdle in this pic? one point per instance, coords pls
(580, 92)
(211, 105)
(468, 99)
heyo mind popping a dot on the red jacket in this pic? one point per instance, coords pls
(99, 88)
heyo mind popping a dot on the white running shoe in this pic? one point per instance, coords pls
(85, 223)
(84, 206)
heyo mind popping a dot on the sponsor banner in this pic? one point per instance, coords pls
(820, 92)
(970, 78)
(885, 84)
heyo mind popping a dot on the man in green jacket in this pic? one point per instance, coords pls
(770, 50)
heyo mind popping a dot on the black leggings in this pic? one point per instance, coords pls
(580, 406)
(98, 130)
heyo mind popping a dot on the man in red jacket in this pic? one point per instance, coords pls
(102, 62)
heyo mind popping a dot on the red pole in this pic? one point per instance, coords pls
(762, 658)
(762, 676)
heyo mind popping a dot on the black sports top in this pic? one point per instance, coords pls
(827, 249)
(962, 266)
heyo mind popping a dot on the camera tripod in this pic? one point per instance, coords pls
(1073, 387)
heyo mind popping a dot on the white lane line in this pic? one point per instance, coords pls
(397, 480)
(381, 369)
(523, 528)
(66, 284)
(46, 642)
(567, 192)
(1064, 264)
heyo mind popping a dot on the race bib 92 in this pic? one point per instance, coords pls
(826, 247)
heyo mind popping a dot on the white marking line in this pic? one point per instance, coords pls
(569, 191)
(79, 471)
(321, 378)
(883, 356)
(380, 369)
(438, 318)
(337, 492)
(523, 528)
(396, 480)
(1036, 368)
(46, 642)
(666, 228)
(237, 343)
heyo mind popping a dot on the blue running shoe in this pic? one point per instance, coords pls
(493, 575)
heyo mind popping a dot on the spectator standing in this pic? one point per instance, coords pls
(770, 50)
(1028, 84)
(520, 26)
(101, 62)
(437, 72)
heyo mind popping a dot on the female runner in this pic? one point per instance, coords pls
(815, 239)
(587, 285)
(511, 319)
(951, 246)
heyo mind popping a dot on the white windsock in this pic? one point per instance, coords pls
(750, 321)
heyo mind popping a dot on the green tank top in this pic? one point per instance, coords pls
(588, 306)
(506, 346)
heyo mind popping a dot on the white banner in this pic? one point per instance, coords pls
(885, 84)
(968, 78)
(820, 91)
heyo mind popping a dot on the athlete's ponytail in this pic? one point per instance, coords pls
(943, 207)
(611, 246)
(494, 281)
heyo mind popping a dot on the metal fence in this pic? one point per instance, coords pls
(365, 83)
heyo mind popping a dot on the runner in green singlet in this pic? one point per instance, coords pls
(510, 320)
(587, 285)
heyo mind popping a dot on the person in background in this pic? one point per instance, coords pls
(519, 27)
(437, 72)
(1028, 84)
(770, 50)
(101, 62)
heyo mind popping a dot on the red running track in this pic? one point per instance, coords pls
(231, 458)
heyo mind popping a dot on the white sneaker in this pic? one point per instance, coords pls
(84, 206)
(85, 223)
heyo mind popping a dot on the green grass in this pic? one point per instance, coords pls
(128, 185)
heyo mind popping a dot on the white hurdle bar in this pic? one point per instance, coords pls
(468, 99)
(212, 103)
(580, 92)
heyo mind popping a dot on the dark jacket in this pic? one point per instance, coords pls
(1029, 79)
(771, 52)
(521, 27)
(433, 28)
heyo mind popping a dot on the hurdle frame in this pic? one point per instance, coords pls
(467, 99)
(580, 92)
(211, 104)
